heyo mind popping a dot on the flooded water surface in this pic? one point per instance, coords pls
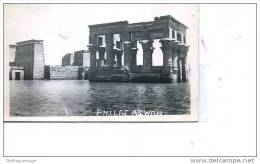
(81, 98)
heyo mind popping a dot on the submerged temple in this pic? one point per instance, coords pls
(113, 50)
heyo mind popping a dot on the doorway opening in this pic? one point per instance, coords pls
(17, 76)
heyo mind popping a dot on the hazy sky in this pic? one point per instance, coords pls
(64, 27)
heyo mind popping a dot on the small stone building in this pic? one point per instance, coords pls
(16, 73)
(29, 60)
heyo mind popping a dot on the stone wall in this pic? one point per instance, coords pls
(63, 73)
(38, 67)
(147, 77)
(83, 73)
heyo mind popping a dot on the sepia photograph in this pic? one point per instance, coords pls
(101, 62)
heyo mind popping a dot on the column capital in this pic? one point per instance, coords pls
(92, 48)
(118, 51)
(183, 50)
(129, 44)
(134, 50)
(187, 49)
(101, 50)
(166, 43)
(146, 42)
(126, 42)
(183, 46)
(110, 45)
(175, 46)
(147, 45)
(109, 49)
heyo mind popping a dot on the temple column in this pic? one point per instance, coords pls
(167, 54)
(130, 51)
(109, 50)
(92, 51)
(184, 65)
(174, 53)
(127, 53)
(101, 59)
(148, 48)
(113, 57)
(183, 70)
(133, 56)
(179, 72)
(174, 61)
(119, 58)
(182, 54)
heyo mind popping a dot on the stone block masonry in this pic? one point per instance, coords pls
(63, 73)
(38, 67)
(81, 58)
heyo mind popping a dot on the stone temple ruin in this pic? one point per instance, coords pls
(110, 42)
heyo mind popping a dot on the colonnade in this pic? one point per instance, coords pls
(174, 56)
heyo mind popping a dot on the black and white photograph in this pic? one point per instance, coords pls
(129, 82)
(101, 62)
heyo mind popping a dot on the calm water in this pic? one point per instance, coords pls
(81, 98)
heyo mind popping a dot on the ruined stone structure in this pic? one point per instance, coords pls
(110, 42)
(63, 73)
(74, 67)
(81, 58)
(29, 57)
(67, 59)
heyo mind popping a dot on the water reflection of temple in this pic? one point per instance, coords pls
(113, 50)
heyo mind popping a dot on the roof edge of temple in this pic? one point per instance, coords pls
(110, 23)
(32, 41)
(170, 18)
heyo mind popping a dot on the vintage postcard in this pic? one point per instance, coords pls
(101, 62)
